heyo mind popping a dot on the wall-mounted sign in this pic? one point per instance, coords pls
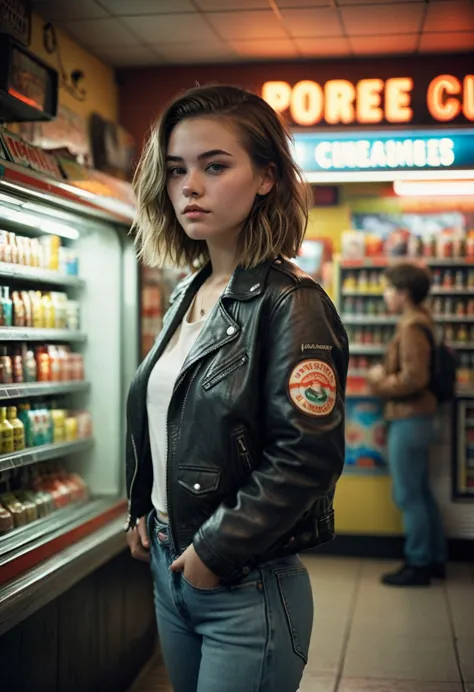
(15, 19)
(445, 98)
(381, 151)
(25, 154)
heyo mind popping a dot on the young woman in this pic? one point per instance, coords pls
(236, 418)
(404, 381)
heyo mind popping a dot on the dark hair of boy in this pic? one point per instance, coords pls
(415, 280)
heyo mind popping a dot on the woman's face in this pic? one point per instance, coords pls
(394, 299)
(211, 181)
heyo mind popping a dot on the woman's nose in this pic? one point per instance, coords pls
(192, 186)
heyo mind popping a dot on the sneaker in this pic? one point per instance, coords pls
(438, 571)
(408, 576)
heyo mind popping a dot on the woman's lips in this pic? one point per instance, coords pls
(195, 214)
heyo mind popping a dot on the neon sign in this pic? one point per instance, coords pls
(380, 151)
(369, 101)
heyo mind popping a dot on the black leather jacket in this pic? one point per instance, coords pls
(255, 423)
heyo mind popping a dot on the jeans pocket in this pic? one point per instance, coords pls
(295, 592)
(197, 589)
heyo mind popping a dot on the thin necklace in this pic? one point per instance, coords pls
(202, 311)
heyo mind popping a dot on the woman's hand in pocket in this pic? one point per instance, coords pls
(194, 570)
(138, 541)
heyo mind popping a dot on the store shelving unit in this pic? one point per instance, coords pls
(463, 438)
(370, 329)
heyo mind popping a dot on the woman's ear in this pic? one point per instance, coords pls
(267, 180)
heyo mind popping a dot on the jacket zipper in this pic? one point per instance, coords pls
(230, 367)
(177, 384)
(135, 455)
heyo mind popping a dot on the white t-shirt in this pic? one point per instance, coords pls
(159, 391)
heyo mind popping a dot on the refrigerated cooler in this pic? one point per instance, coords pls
(463, 457)
(69, 345)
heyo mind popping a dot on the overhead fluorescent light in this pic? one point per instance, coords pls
(325, 177)
(39, 223)
(433, 188)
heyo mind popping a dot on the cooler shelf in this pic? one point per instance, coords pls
(35, 455)
(33, 389)
(37, 275)
(46, 335)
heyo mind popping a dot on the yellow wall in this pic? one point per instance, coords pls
(364, 506)
(363, 503)
(99, 82)
(329, 222)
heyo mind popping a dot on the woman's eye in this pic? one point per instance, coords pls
(216, 167)
(174, 172)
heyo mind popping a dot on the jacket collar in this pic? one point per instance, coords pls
(243, 285)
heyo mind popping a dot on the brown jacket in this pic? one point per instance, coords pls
(408, 368)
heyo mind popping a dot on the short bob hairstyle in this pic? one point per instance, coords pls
(412, 278)
(277, 221)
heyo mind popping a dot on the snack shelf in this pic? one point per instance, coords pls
(348, 293)
(383, 262)
(435, 291)
(34, 389)
(439, 291)
(35, 455)
(388, 320)
(37, 275)
(47, 335)
(366, 350)
(369, 319)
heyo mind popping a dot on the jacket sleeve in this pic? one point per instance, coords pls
(304, 362)
(415, 366)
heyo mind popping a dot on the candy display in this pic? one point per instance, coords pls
(45, 252)
(34, 492)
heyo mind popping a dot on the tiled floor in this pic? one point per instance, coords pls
(370, 638)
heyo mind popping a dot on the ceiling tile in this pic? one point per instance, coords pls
(220, 6)
(265, 49)
(154, 29)
(308, 23)
(323, 47)
(132, 56)
(195, 52)
(247, 25)
(55, 10)
(447, 42)
(282, 4)
(97, 33)
(450, 16)
(401, 17)
(374, 45)
(377, 2)
(123, 8)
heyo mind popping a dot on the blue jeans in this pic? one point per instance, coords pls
(252, 637)
(409, 442)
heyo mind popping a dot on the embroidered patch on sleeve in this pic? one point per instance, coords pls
(312, 387)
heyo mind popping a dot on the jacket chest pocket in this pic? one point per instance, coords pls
(224, 370)
(198, 480)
